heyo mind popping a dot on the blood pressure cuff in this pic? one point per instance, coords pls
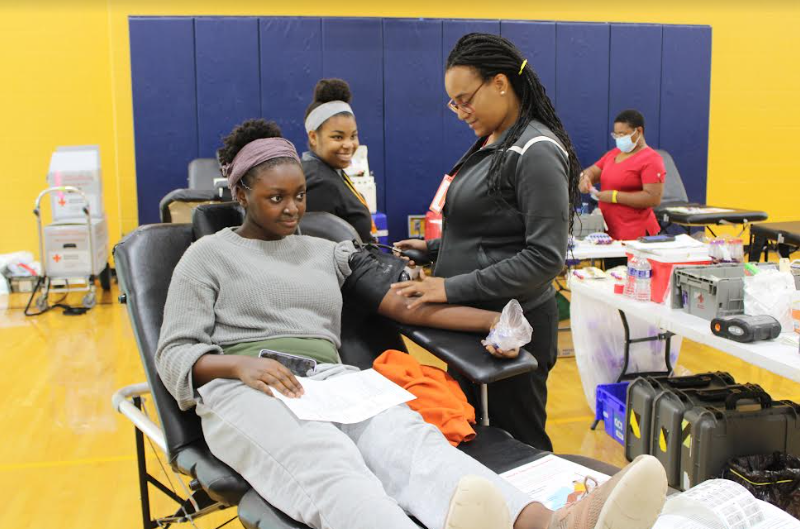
(372, 273)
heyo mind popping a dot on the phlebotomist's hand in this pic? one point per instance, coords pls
(426, 290)
(264, 373)
(585, 183)
(412, 244)
(605, 196)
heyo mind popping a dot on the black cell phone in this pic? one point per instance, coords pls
(298, 365)
(657, 238)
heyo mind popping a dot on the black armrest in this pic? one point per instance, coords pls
(463, 352)
(219, 480)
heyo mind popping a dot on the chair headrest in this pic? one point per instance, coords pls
(327, 226)
(208, 219)
(202, 172)
(674, 191)
(211, 218)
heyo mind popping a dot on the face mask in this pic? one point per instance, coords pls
(626, 143)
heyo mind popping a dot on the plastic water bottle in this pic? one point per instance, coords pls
(643, 275)
(630, 280)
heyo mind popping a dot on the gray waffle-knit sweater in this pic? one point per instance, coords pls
(227, 289)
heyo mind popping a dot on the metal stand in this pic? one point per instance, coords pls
(485, 404)
(624, 375)
(197, 504)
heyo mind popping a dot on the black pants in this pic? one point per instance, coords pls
(519, 404)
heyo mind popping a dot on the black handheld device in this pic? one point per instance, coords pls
(298, 365)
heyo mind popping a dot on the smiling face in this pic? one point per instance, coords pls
(487, 106)
(275, 202)
(335, 141)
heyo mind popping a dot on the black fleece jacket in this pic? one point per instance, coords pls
(494, 250)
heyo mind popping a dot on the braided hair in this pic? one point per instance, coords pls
(490, 55)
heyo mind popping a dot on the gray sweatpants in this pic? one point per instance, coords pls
(332, 476)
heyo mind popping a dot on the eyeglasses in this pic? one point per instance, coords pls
(617, 135)
(466, 106)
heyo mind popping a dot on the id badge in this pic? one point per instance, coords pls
(438, 199)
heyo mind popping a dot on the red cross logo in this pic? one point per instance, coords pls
(56, 258)
(61, 201)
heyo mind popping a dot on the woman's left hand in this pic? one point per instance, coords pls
(427, 290)
(604, 196)
(496, 352)
(499, 353)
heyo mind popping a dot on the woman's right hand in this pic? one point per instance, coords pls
(264, 373)
(585, 184)
(412, 244)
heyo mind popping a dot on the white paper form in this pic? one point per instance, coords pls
(722, 504)
(552, 481)
(346, 399)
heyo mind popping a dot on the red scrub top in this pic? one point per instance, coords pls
(645, 167)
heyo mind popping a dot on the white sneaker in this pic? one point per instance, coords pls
(631, 499)
(477, 504)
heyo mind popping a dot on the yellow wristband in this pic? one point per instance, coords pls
(614, 196)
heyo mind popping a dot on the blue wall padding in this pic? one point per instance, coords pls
(352, 49)
(582, 86)
(537, 42)
(457, 136)
(686, 78)
(194, 78)
(635, 76)
(291, 64)
(164, 107)
(414, 111)
(228, 80)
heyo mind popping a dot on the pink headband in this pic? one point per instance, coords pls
(254, 153)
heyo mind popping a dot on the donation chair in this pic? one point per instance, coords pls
(203, 172)
(145, 261)
(784, 236)
(674, 196)
(178, 204)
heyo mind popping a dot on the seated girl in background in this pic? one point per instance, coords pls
(333, 140)
(260, 286)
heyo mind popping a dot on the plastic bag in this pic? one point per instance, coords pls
(599, 341)
(774, 478)
(513, 329)
(770, 293)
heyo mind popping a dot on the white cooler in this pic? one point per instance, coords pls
(66, 248)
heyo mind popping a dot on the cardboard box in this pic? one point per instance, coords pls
(78, 167)
(66, 249)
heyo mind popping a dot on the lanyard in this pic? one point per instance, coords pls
(359, 196)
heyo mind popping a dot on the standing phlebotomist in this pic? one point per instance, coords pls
(333, 139)
(631, 177)
(506, 214)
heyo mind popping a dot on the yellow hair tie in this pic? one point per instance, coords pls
(523, 66)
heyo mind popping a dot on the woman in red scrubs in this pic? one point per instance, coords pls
(631, 177)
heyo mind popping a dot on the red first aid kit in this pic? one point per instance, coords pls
(661, 274)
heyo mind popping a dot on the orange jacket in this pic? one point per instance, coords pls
(439, 400)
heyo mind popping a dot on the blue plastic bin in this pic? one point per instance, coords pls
(610, 409)
(383, 228)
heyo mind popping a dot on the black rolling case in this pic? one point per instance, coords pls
(711, 436)
(669, 407)
(643, 390)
